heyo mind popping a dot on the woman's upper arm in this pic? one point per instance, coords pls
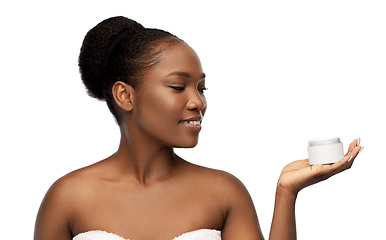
(52, 221)
(241, 221)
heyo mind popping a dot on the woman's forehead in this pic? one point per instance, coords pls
(179, 60)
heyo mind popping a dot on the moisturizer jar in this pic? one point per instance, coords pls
(325, 151)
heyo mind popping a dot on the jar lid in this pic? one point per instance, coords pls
(324, 142)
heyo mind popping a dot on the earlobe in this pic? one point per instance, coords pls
(123, 95)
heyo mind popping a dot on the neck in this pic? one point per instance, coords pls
(143, 161)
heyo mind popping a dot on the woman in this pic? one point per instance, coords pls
(154, 86)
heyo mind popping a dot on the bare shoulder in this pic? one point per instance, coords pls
(213, 174)
(78, 182)
(220, 181)
(240, 218)
(67, 191)
(59, 204)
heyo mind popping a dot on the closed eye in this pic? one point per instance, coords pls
(178, 88)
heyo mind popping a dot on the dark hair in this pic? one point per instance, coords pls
(118, 49)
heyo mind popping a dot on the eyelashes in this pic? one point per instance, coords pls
(180, 89)
(201, 90)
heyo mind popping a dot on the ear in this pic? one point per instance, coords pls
(123, 95)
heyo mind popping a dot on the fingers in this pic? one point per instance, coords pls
(347, 161)
(354, 150)
(355, 143)
(322, 172)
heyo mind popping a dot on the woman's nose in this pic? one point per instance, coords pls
(197, 102)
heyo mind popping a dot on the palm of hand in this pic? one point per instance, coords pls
(299, 174)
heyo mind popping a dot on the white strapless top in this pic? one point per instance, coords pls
(202, 234)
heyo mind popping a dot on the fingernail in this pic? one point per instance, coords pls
(359, 141)
(360, 150)
(349, 159)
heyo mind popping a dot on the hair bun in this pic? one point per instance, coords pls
(93, 51)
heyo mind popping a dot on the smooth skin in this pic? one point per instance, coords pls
(145, 191)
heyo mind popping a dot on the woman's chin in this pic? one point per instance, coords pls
(191, 144)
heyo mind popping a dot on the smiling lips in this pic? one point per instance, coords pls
(194, 123)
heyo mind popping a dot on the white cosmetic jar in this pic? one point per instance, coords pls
(325, 151)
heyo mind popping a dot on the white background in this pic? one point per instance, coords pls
(278, 73)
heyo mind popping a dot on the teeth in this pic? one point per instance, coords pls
(192, 122)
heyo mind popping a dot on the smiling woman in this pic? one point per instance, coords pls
(154, 84)
(171, 100)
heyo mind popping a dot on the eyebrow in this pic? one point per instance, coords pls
(183, 74)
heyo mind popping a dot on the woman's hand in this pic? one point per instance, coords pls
(299, 174)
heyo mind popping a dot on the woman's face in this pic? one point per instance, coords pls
(170, 103)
